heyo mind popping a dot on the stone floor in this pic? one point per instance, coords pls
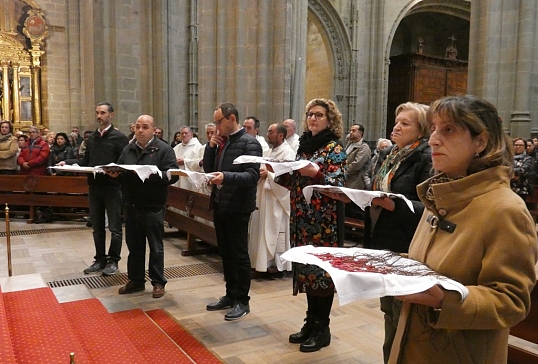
(60, 251)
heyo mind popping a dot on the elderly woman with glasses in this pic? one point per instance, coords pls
(316, 223)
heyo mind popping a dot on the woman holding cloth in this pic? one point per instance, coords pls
(316, 223)
(390, 223)
(474, 230)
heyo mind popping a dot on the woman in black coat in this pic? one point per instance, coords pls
(390, 223)
(60, 151)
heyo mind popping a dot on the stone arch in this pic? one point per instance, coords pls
(339, 44)
(457, 8)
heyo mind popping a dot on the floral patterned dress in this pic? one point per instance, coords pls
(315, 224)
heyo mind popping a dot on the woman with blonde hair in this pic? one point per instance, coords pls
(316, 223)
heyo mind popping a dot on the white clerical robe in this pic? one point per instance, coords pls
(293, 141)
(192, 153)
(265, 146)
(269, 228)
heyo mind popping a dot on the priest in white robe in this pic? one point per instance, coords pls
(189, 153)
(269, 234)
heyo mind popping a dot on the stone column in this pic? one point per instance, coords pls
(521, 117)
(6, 92)
(501, 59)
(16, 117)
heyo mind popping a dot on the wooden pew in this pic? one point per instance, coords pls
(526, 330)
(192, 204)
(54, 191)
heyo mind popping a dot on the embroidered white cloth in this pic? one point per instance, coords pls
(279, 167)
(197, 178)
(361, 198)
(353, 286)
(143, 171)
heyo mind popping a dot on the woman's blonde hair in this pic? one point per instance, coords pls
(421, 110)
(334, 116)
(478, 116)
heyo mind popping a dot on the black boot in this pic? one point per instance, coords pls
(306, 330)
(320, 337)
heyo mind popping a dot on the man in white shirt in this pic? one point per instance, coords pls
(189, 153)
(269, 234)
(252, 126)
(291, 137)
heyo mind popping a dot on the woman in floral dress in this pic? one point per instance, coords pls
(316, 223)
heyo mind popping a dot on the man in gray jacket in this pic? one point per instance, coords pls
(358, 158)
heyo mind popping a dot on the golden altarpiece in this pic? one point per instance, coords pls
(21, 50)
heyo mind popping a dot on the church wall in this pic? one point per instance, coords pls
(135, 54)
(241, 58)
(319, 69)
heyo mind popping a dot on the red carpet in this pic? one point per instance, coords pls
(186, 341)
(151, 341)
(35, 328)
(40, 332)
(6, 350)
(99, 334)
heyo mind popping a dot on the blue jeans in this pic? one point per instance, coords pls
(143, 223)
(106, 199)
(232, 240)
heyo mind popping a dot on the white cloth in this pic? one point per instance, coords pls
(353, 286)
(279, 167)
(269, 228)
(199, 179)
(361, 198)
(263, 143)
(293, 141)
(192, 154)
(143, 171)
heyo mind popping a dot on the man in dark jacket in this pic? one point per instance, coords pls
(104, 146)
(145, 205)
(233, 199)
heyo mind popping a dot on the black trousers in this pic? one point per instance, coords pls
(232, 240)
(141, 224)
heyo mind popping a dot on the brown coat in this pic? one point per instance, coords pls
(492, 251)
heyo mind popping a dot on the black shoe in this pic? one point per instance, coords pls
(223, 303)
(320, 337)
(305, 332)
(132, 287)
(237, 312)
(95, 267)
(110, 268)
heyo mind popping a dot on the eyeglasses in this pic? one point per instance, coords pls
(316, 115)
(520, 145)
(220, 121)
(33, 132)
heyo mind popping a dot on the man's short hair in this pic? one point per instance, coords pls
(256, 121)
(228, 109)
(107, 104)
(361, 128)
(210, 124)
(281, 129)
